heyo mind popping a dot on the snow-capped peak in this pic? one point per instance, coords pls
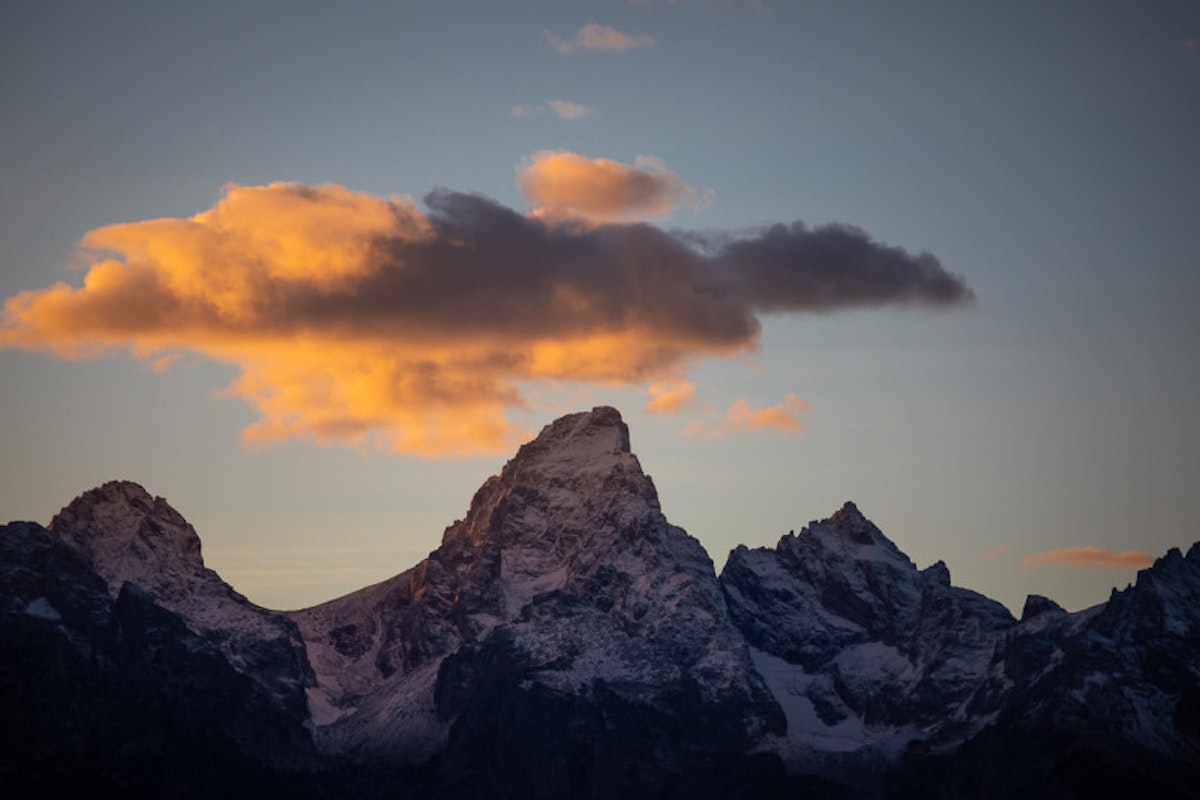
(135, 538)
(578, 458)
(131, 536)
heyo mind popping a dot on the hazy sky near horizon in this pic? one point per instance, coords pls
(341, 258)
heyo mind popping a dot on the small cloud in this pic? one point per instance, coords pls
(671, 398)
(1192, 44)
(593, 37)
(742, 417)
(1090, 558)
(999, 551)
(565, 109)
(561, 184)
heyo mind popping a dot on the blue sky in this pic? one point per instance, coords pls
(1044, 152)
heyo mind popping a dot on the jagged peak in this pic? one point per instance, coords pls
(579, 458)
(1036, 605)
(851, 523)
(128, 533)
(118, 491)
(938, 572)
(600, 429)
(850, 535)
(575, 447)
(848, 511)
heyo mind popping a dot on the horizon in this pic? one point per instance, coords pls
(718, 566)
(312, 274)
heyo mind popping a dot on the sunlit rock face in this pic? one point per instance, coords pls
(565, 640)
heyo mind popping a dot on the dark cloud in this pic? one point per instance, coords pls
(833, 267)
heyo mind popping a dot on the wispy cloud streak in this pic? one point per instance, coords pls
(742, 417)
(563, 109)
(1090, 558)
(598, 38)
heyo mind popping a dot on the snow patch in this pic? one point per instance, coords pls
(40, 607)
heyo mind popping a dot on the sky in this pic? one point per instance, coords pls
(313, 271)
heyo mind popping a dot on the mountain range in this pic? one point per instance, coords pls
(566, 640)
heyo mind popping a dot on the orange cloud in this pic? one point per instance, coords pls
(1090, 558)
(366, 320)
(568, 185)
(742, 417)
(595, 37)
(671, 398)
(999, 551)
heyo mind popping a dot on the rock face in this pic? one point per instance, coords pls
(866, 653)
(564, 591)
(133, 538)
(1104, 702)
(100, 692)
(896, 683)
(565, 640)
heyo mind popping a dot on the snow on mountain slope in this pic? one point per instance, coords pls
(132, 537)
(864, 651)
(566, 570)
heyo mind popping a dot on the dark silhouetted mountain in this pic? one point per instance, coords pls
(565, 640)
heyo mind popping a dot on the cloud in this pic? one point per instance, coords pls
(672, 397)
(367, 320)
(563, 109)
(593, 37)
(561, 184)
(1090, 558)
(742, 417)
(999, 551)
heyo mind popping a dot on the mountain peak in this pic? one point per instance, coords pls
(850, 523)
(598, 431)
(129, 534)
(576, 457)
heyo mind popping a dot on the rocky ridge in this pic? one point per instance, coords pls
(565, 611)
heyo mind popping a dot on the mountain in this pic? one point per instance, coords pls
(866, 654)
(564, 591)
(118, 695)
(565, 640)
(133, 538)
